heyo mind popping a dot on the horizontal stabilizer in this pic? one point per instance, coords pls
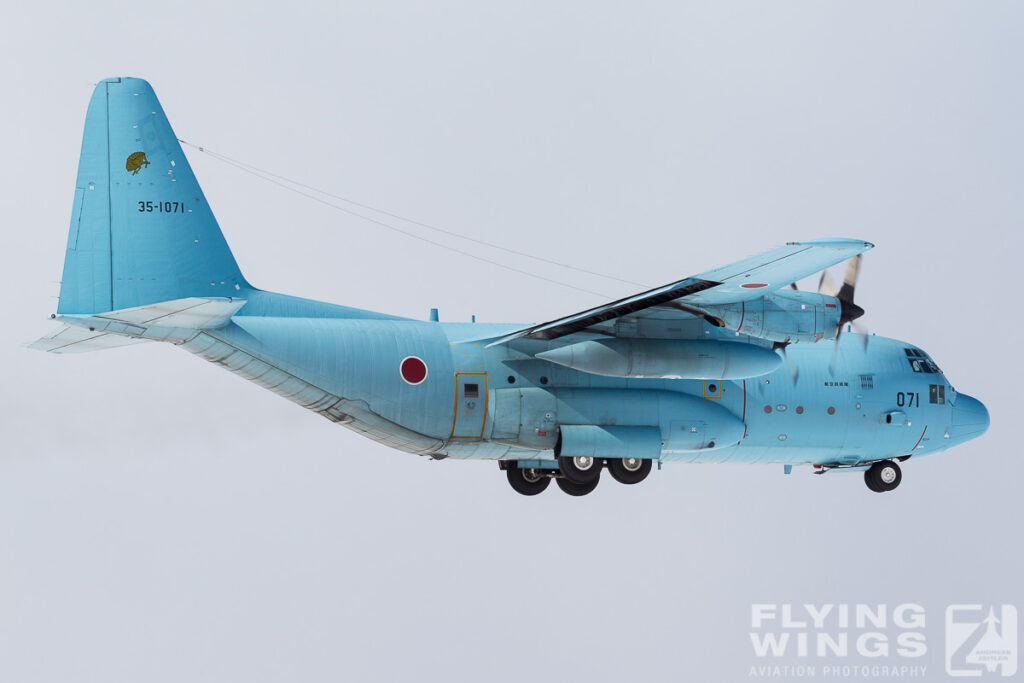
(171, 321)
(74, 339)
(193, 313)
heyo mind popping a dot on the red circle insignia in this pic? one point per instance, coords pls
(413, 370)
(754, 285)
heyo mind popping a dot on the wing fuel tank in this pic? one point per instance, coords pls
(666, 358)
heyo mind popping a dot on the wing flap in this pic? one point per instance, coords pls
(617, 309)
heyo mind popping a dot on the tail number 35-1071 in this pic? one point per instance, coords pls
(161, 207)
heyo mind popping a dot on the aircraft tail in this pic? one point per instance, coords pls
(141, 229)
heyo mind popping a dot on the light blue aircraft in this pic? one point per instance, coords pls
(730, 365)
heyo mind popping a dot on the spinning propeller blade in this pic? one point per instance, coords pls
(826, 286)
(849, 310)
(794, 368)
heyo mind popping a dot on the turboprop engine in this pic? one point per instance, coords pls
(790, 316)
(665, 358)
(786, 316)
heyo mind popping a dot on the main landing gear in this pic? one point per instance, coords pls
(528, 481)
(629, 470)
(576, 476)
(883, 476)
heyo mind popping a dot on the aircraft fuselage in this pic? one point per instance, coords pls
(864, 403)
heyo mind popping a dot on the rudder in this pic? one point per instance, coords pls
(141, 229)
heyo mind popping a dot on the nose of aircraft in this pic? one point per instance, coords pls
(970, 418)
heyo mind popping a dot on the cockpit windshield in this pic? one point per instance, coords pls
(920, 362)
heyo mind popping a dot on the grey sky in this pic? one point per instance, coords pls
(162, 520)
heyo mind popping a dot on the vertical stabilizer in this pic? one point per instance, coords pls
(141, 230)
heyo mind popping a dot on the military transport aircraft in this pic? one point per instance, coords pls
(731, 365)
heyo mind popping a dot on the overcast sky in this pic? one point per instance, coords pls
(163, 520)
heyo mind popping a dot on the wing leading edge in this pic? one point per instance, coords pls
(751, 278)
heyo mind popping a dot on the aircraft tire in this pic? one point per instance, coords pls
(527, 481)
(574, 489)
(629, 470)
(581, 470)
(885, 475)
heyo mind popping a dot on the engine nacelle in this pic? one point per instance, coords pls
(784, 316)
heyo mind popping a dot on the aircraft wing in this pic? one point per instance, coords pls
(751, 278)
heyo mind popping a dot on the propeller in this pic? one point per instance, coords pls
(794, 369)
(849, 311)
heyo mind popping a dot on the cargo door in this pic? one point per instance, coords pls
(470, 405)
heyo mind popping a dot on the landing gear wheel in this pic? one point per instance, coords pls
(629, 470)
(883, 476)
(574, 489)
(581, 469)
(527, 481)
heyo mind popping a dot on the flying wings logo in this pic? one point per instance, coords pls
(838, 631)
(981, 641)
(877, 640)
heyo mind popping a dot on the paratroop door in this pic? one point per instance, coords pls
(470, 405)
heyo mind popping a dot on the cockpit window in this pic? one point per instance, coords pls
(920, 362)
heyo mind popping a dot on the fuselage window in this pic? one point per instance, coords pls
(920, 362)
(937, 393)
